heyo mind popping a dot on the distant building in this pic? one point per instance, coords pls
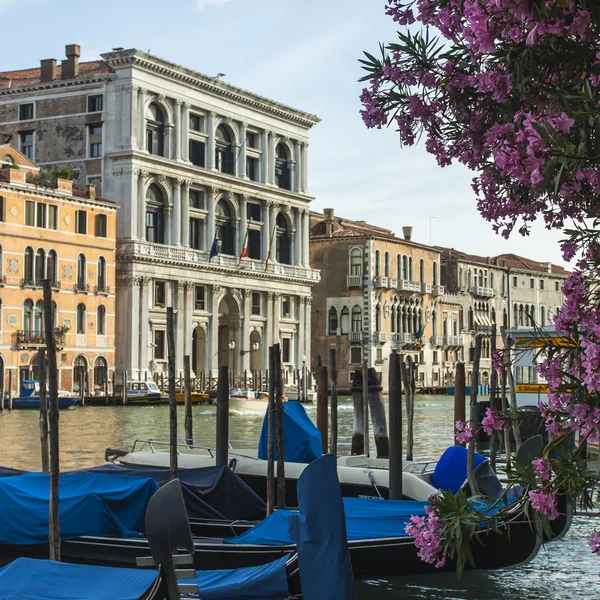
(48, 230)
(190, 160)
(378, 294)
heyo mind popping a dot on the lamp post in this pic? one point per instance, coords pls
(304, 397)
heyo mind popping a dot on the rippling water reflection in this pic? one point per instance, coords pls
(563, 570)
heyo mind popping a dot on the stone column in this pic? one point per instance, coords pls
(136, 342)
(210, 151)
(241, 166)
(243, 221)
(129, 228)
(245, 337)
(266, 229)
(293, 175)
(306, 238)
(142, 119)
(210, 199)
(298, 237)
(185, 213)
(299, 166)
(307, 331)
(188, 323)
(264, 162)
(304, 176)
(176, 235)
(146, 282)
(135, 122)
(180, 330)
(141, 204)
(301, 329)
(185, 141)
(214, 331)
(271, 169)
(178, 129)
(270, 322)
(273, 234)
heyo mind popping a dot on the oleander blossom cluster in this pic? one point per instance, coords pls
(503, 120)
(541, 468)
(493, 421)
(464, 433)
(545, 502)
(427, 533)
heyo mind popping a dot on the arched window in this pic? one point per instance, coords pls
(434, 323)
(282, 170)
(492, 281)
(471, 319)
(532, 316)
(52, 268)
(377, 264)
(542, 316)
(481, 283)
(515, 315)
(521, 319)
(283, 244)
(155, 215)
(435, 273)
(454, 328)
(28, 266)
(224, 157)
(27, 317)
(378, 318)
(460, 278)
(422, 271)
(344, 321)
(101, 275)
(505, 318)
(333, 321)
(38, 317)
(81, 273)
(386, 264)
(398, 267)
(404, 267)
(356, 319)
(355, 262)
(40, 265)
(469, 280)
(81, 318)
(100, 372)
(393, 320)
(80, 373)
(225, 229)
(155, 130)
(101, 320)
(410, 268)
(493, 316)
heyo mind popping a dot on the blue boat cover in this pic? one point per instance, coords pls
(209, 492)
(366, 518)
(319, 531)
(8, 472)
(32, 579)
(264, 582)
(301, 439)
(89, 504)
(451, 470)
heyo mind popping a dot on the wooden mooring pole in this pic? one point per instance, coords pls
(493, 401)
(322, 401)
(358, 440)
(222, 449)
(459, 398)
(172, 392)
(187, 390)
(408, 373)
(54, 534)
(2, 389)
(395, 408)
(473, 416)
(271, 435)
(378, 420)
(334, 403)
(43, 412)
(10, 389)
(511, 387)
(365, 406)
(280, 441)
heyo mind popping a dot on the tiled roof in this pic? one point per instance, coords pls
(27, 77)
(519, 262)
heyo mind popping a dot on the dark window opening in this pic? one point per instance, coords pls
(225, 229)
(256, 303)
(196, 199)
(282, 170)
(253, 211)
(224, 157)
(95, 103)
(198, 153)
(155, 130)
(26, 112)
(95, 131)
(159, 293)
(101, 226)
(286, 347)
(26, 138)
(159, 344)
(196, 234)
(283, 241)
(199, 300)
(254, 244)
(252, 168)
(81, 222)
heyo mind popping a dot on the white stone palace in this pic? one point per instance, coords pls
(190, 160)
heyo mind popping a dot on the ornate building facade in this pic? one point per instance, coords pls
(211, 183)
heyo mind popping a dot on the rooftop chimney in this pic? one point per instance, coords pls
(407, 233)
(91, 191)
(329, 213)
(547, 267)
(48, 70)
(70, 67)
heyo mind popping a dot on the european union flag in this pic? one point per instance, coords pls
(214, 250)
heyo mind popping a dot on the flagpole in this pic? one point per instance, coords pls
(270, 246)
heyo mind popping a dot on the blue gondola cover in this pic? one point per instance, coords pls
(451, 470)
(89, 504)
(301, 439)
(48, 580)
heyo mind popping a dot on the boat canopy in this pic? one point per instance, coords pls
(89, 504)
(209, 492)
(451, 470)
(301, 439)
(366, 519)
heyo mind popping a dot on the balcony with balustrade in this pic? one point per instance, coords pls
(354, 281)
(380, 337)
(453, 341)
(404, 285)
(355, 337)
(482, 292)
(425, 288)
(437, 290)
(381, 282)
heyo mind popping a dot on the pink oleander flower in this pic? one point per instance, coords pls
(492, 421)
(464, 434)
(427, 534)
(541, 467)
(594, 542)
(497, 361)
(544, 502)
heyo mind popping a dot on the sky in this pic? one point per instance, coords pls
(303, 53)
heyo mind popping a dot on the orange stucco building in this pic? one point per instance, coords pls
(48, 230)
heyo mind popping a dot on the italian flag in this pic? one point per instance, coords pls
(244, 253)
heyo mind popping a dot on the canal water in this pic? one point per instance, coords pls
(563, 570)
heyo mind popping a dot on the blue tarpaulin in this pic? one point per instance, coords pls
(319, 531)
(451, 470)
(209, 492)
(89, 504)
(31, 579)
(365, 519)
(301, 439)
